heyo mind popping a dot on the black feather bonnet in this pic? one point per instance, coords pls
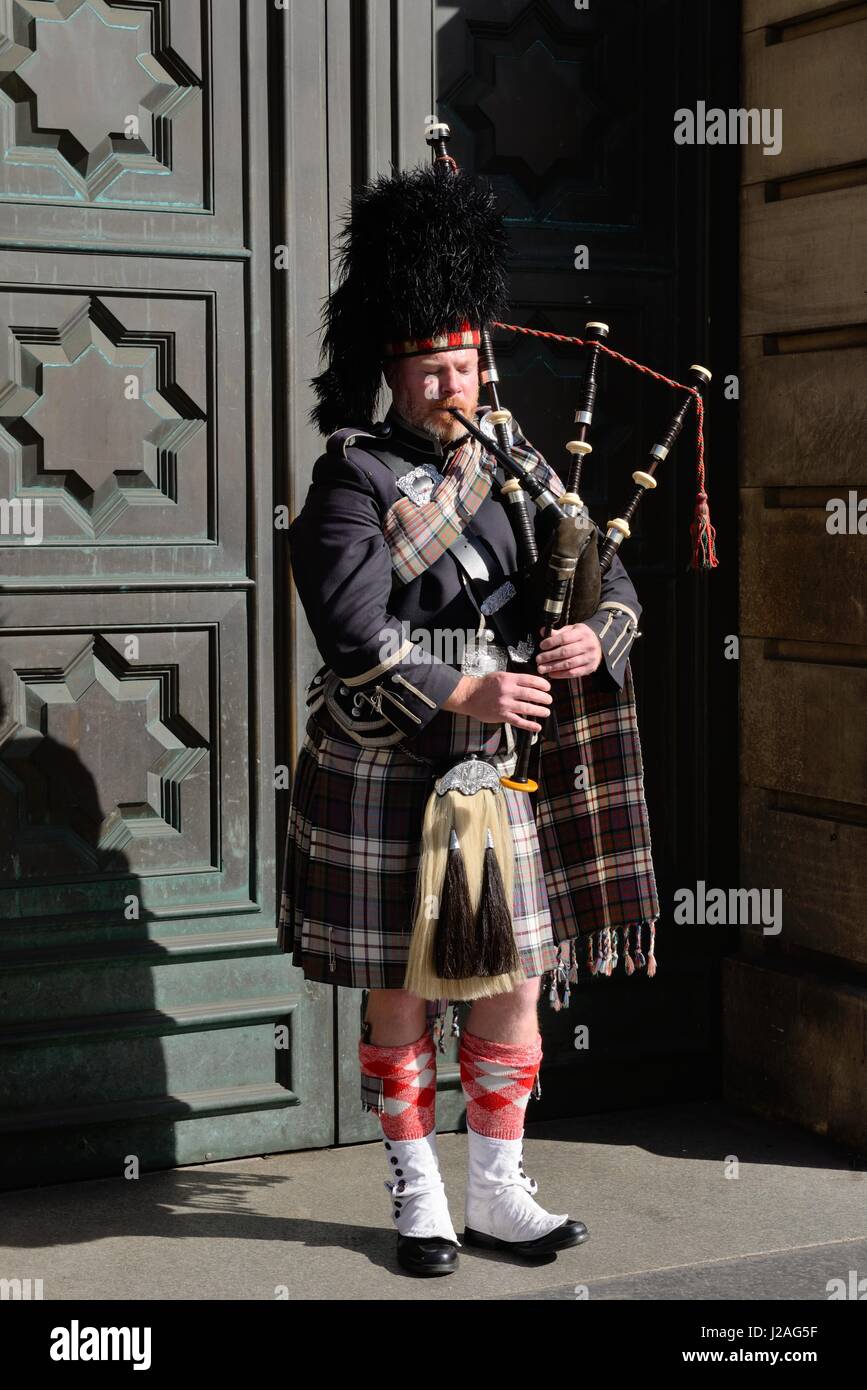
(422, 254)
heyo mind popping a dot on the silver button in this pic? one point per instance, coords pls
(489, 635)
(356, 712)
(317, 680)
(344, 690)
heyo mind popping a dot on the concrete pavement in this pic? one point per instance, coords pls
(665, 1220)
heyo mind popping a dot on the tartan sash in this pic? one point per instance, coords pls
(418, 533)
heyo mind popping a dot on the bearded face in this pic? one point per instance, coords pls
(422, 387)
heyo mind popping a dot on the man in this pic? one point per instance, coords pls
(402, 545)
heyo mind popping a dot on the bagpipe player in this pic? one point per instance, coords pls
(403, 542)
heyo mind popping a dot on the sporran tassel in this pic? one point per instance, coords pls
(454, 953)
(495, 937)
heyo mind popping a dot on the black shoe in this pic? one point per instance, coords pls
(570, 1233)
(427, 1254)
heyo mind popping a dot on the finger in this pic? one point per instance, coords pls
(554, 639)
(564, 653)
(535, 682)
(520, 723)
(536, 711)
(574, 649)
(537, 698)
(577, 666)
(578, 637)
(553, 668)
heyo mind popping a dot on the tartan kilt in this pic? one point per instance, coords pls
(353, 844)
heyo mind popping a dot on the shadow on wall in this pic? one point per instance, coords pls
(83, 1039)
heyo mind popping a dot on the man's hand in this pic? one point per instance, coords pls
(503, 697)
(573, 650)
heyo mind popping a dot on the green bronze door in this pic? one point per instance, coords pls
(146, 1013)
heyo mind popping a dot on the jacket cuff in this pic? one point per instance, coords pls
(407, 685)
(616, 626)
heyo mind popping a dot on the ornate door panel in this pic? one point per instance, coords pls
(142, 994)
(122, 123)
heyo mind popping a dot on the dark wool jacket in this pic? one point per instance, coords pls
(381, 685)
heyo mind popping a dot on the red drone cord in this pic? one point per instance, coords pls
(702, 531)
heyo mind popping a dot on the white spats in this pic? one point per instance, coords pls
(500, 1196)
(418, 1198)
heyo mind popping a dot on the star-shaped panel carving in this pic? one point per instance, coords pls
(66, 771)
(121, 61)
(531, 100)
(558, 129)
(553, 106)
(125, 453)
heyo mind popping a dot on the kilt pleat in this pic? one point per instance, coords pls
(353, 846)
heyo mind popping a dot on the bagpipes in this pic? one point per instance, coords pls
(463, 944)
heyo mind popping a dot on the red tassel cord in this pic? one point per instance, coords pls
(703, 533)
